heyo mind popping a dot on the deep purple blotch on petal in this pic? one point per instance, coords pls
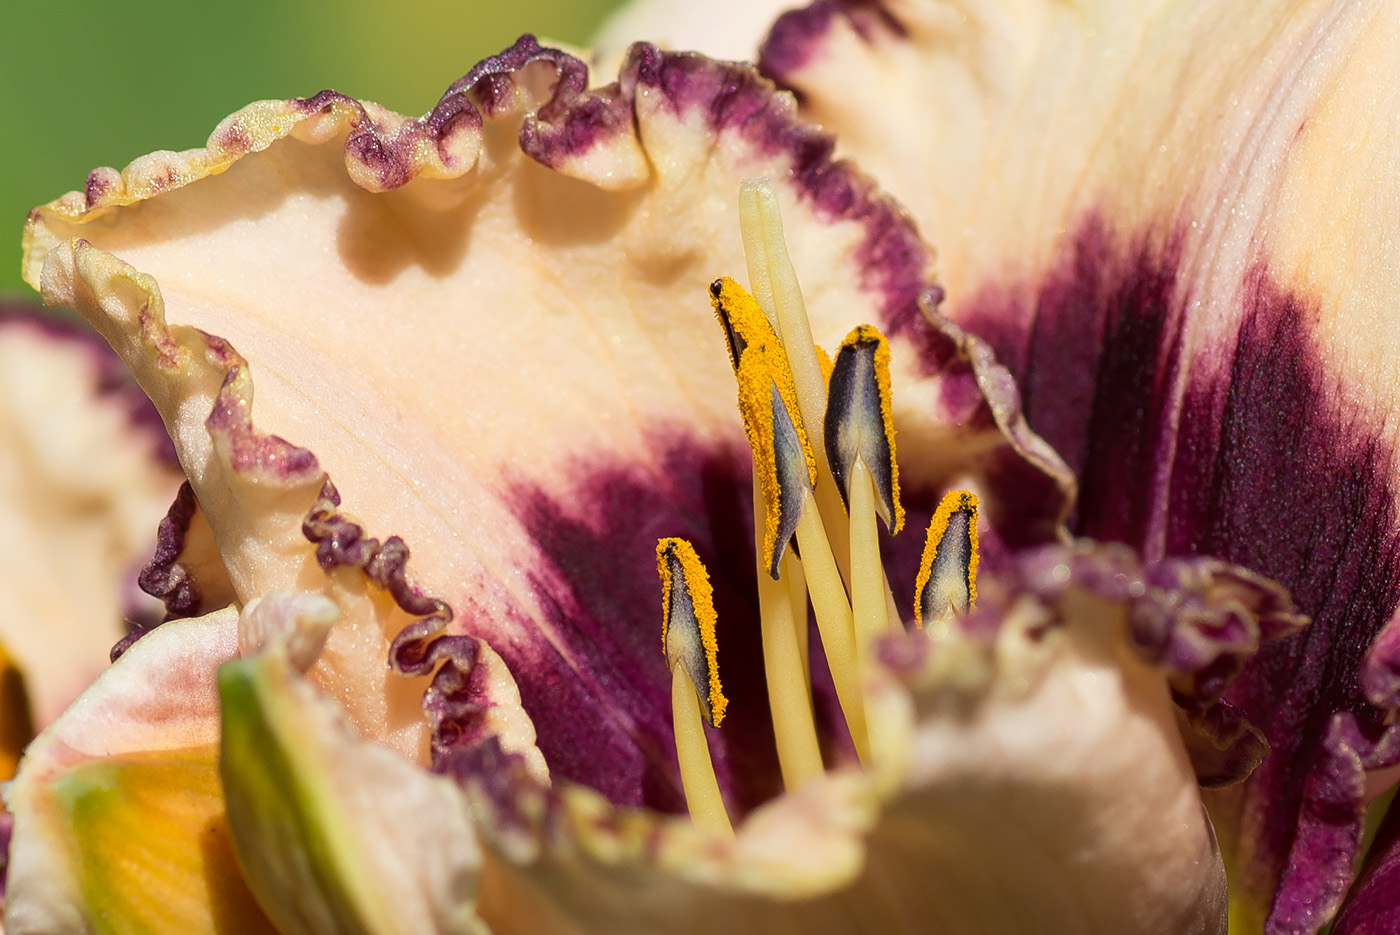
(600, 693)
(1267, 470)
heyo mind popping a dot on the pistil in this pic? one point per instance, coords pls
(822, 437)
(782, 587)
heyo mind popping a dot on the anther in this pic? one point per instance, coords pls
(860, 423)
(742, 319)
(688, 641)
(947, 581)
(782, 457)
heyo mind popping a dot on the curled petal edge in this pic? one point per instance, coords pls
(604, 864)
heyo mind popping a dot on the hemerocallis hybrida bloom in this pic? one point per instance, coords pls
(1174, 223)
(510, 336)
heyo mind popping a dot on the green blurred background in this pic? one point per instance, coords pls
(86, 83)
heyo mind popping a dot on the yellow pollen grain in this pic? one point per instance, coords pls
(953, 502)
(860, 335)
(826, 364)
(696, 582)
(755, 406)
(760, 370)
(738, 310)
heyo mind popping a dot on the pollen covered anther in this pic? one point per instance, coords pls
(860, 423)
(741, 317)
(783, 461)
(688, 623)
(947, 581)
(688, 640)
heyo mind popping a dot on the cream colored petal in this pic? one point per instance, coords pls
(119, 824)
(1028, 777)
(490, 327)
(82, 486)
(337, 835)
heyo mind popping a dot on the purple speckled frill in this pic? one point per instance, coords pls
(578, 637)
(1194, 312)
(1199, 621)
(490, 327)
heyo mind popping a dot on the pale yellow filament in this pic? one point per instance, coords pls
(834, 622)
(797, 586)
(867, 573)
(702, 798)
(773, 283)
(785, 665)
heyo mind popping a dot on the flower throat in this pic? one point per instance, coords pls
(824, 468)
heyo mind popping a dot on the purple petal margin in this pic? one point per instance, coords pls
(1260, 463)
(797, 35)
(1198, 620)
(164, 577)
(112, 381)
(1373, 904)
(455, 700)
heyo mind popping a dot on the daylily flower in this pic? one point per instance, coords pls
(1174, 223)
(486, 334)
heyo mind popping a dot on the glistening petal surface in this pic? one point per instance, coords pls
(1176, 224)
(482, 325)
(119, 823)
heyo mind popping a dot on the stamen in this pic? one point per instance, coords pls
(834, 622)
(797, 588)
(741, 317)
(761, 223)
(783, 622)
(868, 606)
(783, 460)
(783, 465)
(769, 263)
(688, 641)
(947, 581)
(860, 450)
(770, 268)
(860, 421)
